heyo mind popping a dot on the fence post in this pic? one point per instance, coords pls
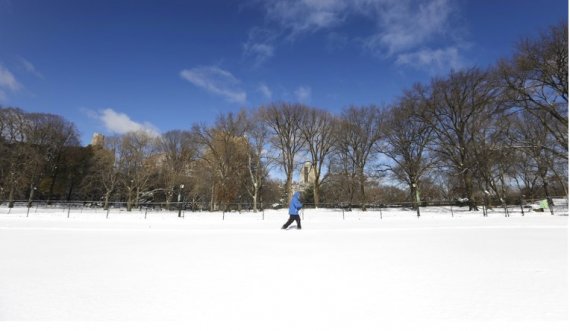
(108, 210)
(68, 210)
(451, 206)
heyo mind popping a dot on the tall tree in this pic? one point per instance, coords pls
(358, 132)
(13, 122)
(104, 170)
(283, 119)
(257, 135)
(457, 110)
(137, 162)
(317, 128)
(225, 153)
(406, 140)
(56, 136)
(179, 151)
(536, 81)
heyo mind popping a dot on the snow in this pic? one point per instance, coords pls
(344, 271)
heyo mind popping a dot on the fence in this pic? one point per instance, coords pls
(558, 206)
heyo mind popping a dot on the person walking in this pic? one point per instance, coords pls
(294, 207)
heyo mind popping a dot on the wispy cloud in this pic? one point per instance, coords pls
(399, 26)
(260, 45)
(30, 68)
(121, 123)
(216, 81)
(301, 16)
(303, 93)
(265, 90)
(8, 81)
(433, 60)
(404, 25)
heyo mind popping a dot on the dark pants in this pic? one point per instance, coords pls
(292, 218)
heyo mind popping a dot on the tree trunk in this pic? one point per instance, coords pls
(316, 193)
(11, 197)
(130, 200)
(106, 203)
(413, 194)
(288, 186)
(31, 196)
(255, 196)
(212, 198)
(469, 191)
(362, 179)
(51, 187)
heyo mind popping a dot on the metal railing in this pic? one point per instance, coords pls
(557, 206)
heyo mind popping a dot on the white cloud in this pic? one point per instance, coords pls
(404, 25)
(216, 81)
(433, 60)
(265, 90)
(8, 81)
(260, 45)
(300, 16)
(400, 26)
(303, 93)
(30, 68)
(120, 123)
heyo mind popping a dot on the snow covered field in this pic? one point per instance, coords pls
(240, 271)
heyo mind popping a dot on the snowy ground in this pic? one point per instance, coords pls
(237, 271)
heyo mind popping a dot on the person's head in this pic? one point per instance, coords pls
(297, 195)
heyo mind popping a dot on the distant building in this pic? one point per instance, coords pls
(307, 175)
(98, 140)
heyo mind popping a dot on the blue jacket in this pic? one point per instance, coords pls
(295, 204)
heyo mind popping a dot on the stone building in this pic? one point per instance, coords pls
(98, 140)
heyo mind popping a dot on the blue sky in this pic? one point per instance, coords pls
(114, 66)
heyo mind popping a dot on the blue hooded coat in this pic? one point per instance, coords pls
(295, 204)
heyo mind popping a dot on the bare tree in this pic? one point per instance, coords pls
(406, 140)
(358, 132)
(16, 150)
(257, 136)
(53, 135)
(104, 168)
(536, 81)
(317, 128)
(283, 119)
(456, 110)
(225, 152)
(531, 137)
(137, 161)
(178, 150)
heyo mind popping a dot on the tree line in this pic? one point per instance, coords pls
(478, 135)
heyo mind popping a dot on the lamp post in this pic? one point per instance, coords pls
(179, 196)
